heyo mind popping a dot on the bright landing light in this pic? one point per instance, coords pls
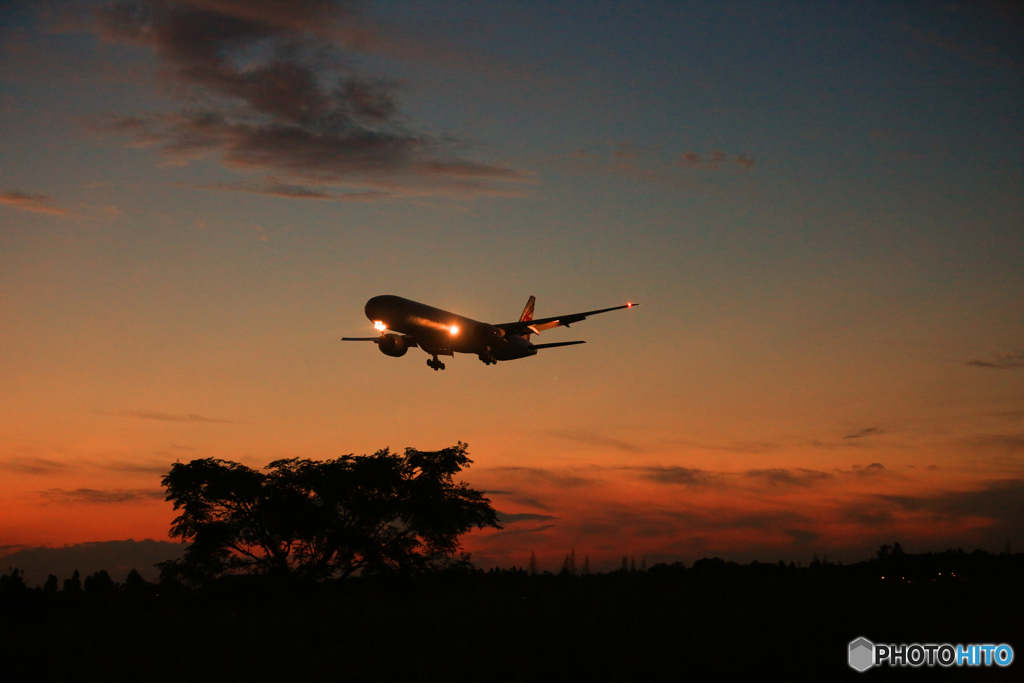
(454, 329)
(379, 326)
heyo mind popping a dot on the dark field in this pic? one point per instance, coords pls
(711, 621)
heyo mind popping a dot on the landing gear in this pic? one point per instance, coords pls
(487, 359)
(435, 364)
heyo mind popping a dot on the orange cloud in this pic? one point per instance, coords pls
(36, 203)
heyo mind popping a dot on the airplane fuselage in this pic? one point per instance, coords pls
(440, 332)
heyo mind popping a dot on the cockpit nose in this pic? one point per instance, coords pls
(380, 307)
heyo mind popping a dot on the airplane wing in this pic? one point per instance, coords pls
(539, 325)
(410, 340)
(551, 346)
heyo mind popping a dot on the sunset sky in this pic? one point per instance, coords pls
(820, 206)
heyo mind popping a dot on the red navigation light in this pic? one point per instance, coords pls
(629, 305)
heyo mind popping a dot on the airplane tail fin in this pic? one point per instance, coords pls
(527, 315)
(528, 311)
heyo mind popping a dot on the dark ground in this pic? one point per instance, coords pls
(714, 620)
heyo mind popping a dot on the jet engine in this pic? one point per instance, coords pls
(393, 345)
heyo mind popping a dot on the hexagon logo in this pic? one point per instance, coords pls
(862, 654)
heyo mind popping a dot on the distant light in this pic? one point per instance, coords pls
(454, 329)
(379, 326)
(629, 305)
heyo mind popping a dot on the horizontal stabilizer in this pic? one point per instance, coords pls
(550, 346)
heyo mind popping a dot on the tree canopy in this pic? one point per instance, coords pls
(317, 519)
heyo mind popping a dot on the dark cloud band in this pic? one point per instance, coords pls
(271, 88)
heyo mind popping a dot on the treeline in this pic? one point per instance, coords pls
(710, 620)
(96, 586)
(892, 565)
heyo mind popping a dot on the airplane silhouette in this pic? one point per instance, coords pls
(440, 333)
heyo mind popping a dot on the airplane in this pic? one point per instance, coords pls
(440, 333)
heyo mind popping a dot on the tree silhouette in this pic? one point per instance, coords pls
(317, 519)
(13, 584)
(73, 586)
(99, 584)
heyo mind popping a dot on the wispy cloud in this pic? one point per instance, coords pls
(506, 518)
(861, 433)
(801, 536)
(870, 515)
(742, 447)
(271, 88)
(167, 417)
(266, 189)
(100, 496)
(137, 467)
(598, 440)
(1008, 13)
(873, 468)
(715, 160)
(758, 478)
(1007, 361)
(716, 519)
(852, 440)
(788, 477)
(529, 502)
(32, 466)
(86, 462)
(652, 164)
(520, 532)
(629, 150)
(557, 478)
(36, 203)
(1001, 501)
(751, 480)
(5, 549)
(291, 191)
(674, 475)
